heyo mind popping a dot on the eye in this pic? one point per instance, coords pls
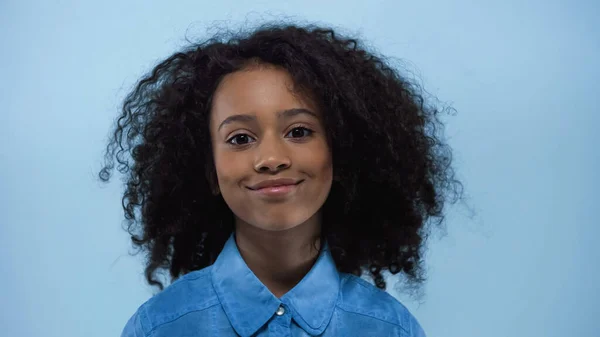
(240, 139)
(300, 132)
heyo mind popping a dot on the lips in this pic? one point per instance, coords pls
(274, 183)
(277, 189)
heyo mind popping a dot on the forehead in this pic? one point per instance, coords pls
(257, 91)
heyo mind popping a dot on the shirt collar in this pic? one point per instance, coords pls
(249, 304)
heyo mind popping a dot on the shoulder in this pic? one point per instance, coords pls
(361, 297)
(191, 292)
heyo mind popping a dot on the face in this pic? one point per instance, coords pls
(270, 149)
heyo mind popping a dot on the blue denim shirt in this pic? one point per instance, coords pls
(227, 299)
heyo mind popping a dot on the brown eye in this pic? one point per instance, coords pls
(300, 132)
(240, 139)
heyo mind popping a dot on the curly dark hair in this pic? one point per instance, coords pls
(392, 166)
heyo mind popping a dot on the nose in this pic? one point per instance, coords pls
(272, 156)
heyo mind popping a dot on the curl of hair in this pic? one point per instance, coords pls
(392, 168)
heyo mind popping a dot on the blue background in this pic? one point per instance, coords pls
(520, 260)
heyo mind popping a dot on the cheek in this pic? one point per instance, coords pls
(323, 161)
(228, 169)
(318, 163)
(322, 171)
(326, 170)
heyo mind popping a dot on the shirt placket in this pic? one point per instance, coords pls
(280, 325)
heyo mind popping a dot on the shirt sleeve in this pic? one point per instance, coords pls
(133, 328)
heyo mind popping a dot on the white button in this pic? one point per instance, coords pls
(280, 310)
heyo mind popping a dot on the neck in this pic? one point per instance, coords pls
(280, 259)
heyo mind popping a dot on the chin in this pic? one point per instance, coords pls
(280, 222)
(277, 224)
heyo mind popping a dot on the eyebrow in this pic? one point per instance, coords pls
(280, 114)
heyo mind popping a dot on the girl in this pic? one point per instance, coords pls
(267, 171)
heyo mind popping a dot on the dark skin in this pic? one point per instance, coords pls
(261, 130)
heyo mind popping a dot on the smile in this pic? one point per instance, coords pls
(275, 188)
